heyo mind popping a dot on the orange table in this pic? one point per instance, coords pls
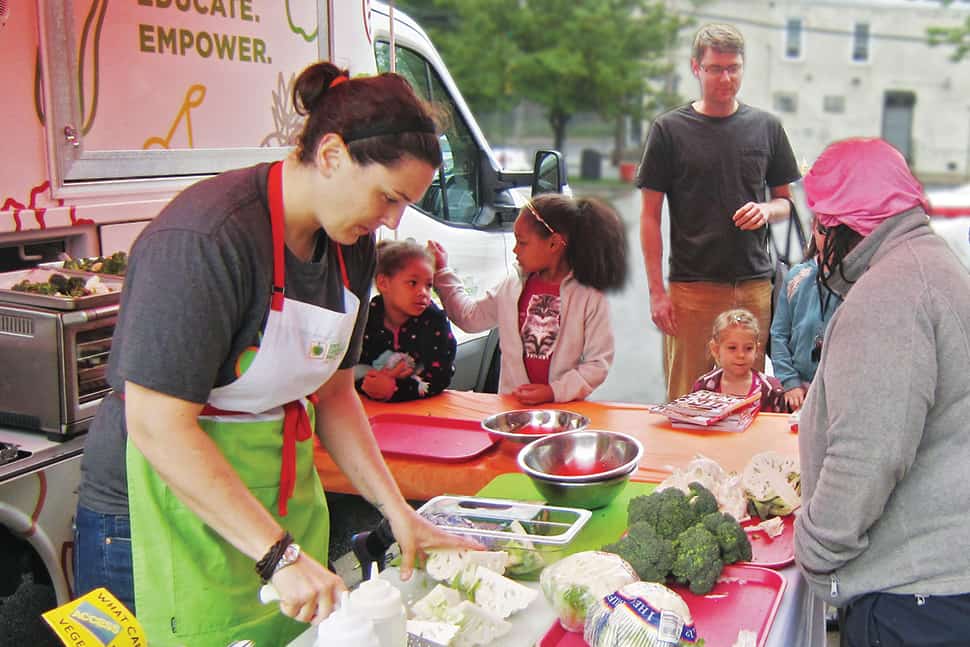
(664, 447)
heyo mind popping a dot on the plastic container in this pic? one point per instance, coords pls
(379, 602)
(344, 628)
(535, 535)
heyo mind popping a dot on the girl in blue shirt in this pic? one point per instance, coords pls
(804, 308)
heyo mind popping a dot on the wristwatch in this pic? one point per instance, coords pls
(289, 556)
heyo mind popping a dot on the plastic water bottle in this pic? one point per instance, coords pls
(378, 601)
(344, 628)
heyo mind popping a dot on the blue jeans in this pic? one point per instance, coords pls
(102, 555)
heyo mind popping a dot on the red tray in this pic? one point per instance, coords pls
(772, 552)
(745, 597)
(445, 439)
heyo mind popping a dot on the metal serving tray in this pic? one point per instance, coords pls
(41, 275)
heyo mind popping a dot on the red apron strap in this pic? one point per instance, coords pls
(275, 187)
(296, 428)
(343, 266)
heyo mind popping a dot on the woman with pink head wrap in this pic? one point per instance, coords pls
(884, 438)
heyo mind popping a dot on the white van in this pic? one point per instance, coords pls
(110, 109)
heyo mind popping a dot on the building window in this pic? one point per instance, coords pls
(860, 42)
(793, 38)
(833, 103)
(786, 102)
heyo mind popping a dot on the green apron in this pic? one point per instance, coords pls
(192, 587)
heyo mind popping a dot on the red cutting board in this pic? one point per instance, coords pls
(430, 437)
(745, 597)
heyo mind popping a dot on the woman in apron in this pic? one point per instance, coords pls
(238, 332)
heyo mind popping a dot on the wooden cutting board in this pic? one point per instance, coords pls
(604, 526)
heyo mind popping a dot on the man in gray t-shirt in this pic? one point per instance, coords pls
(713, 160)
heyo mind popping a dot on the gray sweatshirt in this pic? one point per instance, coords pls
(885, 431)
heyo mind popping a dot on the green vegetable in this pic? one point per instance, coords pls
(650, 555)
(671, 533)
(702, 501)
(668, 511)
(698, 561)
(731, 537)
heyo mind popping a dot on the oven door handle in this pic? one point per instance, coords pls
(90, 314)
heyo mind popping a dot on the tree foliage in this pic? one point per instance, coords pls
(956, 37)
(568, 56)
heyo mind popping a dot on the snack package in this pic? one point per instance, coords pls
(641, 614)
(95, 618)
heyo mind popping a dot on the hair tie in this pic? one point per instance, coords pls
(337, 80)
(414, 124)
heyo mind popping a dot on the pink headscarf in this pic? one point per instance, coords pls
(861, 182)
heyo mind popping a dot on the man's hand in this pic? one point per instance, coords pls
(794, 398)
(378, 385)
(662, 313)
(753, 215)
(534, 394)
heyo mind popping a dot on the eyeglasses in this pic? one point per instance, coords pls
(718, 70)
(535, 212)
(821, 229)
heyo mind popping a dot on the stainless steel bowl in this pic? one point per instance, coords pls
(581, 469)
(581, 456)
(526, 425)
(589, 496)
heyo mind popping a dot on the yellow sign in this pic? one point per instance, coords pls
(97, 618)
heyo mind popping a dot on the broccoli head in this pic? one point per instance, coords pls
(697, 560)
(650, 555)
(702, 501)
(668, 511)
(731, 537)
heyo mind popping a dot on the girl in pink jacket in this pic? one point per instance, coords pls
(553, 319)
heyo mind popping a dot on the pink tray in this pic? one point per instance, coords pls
(745, 597)
(772, 552)
(430, 437)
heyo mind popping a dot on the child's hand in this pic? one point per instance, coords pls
(794, 398)
(439, 253)
(378, 385)
(399, 370)
(534, 393)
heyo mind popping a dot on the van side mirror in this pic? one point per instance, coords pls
(549, 173)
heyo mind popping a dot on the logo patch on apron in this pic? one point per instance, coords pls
(326, 351)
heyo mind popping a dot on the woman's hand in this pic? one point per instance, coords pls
(439, 254)
(534, 393)
(416, 535)
(794, 398)
(378, 385)
(307, 590)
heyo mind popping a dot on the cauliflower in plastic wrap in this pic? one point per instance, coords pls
(575, 583)
(640, 614)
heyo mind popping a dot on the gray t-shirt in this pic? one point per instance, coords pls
(708, 167)
(196, 296)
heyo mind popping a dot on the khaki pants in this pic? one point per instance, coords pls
(696, 305)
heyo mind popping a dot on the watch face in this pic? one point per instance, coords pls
(290, 555)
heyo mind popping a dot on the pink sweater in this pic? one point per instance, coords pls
(582, 354)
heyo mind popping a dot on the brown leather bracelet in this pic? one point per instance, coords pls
(266, 566)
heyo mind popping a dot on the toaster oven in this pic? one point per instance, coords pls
(53, 366)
